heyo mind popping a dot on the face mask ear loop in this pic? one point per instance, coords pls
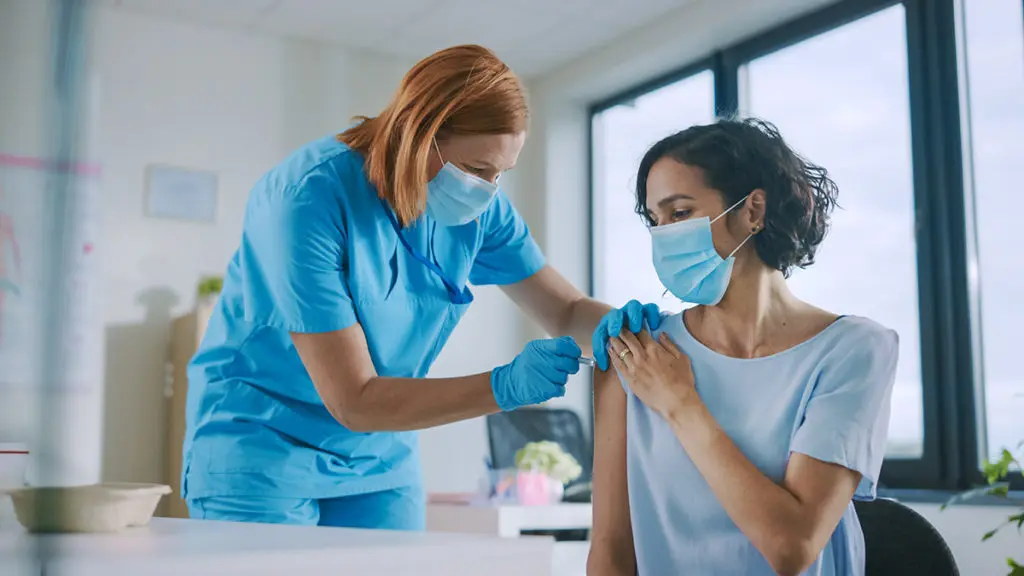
(733, 253)
(730, 208)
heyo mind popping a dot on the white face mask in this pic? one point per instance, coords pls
(455, 197)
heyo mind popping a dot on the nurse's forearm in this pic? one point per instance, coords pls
(398, 404)
(560, 308)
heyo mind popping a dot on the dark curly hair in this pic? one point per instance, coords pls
(738, 156)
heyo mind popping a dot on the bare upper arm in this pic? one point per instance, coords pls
(612, 540)
(824, 491)
(339, 364)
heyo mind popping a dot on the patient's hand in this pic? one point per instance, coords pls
(633, 317)
(655, 370)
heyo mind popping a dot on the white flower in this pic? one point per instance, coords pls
(549, 457)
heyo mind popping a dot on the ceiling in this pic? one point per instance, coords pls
(533, 37)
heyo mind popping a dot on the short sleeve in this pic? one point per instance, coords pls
(846, 421)
(508, 252)
(291, 259)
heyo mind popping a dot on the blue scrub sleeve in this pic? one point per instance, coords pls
(508, 253)
(847, 417)
(292, 259)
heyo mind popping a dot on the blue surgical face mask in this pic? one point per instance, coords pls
(688, 264)
(455, 198)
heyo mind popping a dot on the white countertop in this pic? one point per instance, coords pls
(173, 547)
(506, 520)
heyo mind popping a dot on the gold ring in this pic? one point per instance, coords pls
(624, 353)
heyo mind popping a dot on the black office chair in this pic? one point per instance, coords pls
(900, 542)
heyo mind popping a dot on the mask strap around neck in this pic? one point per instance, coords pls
(730, 209)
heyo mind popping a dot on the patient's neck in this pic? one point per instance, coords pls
(749, 319)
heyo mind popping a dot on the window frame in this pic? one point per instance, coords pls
(950, 445)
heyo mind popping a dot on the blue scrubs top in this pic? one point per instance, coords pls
(827, 398)
(319, 252)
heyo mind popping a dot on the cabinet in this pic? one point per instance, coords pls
(186, 333)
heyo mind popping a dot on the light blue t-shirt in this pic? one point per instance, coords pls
(827, 398)
(319, 253)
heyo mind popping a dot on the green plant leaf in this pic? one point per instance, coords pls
(989, 534)
(996, 470)
(1018, 519)
(210, 285)
(1000, 489)
(1015, 569)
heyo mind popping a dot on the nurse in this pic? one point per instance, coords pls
(353, 270)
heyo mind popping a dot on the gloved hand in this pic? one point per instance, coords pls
(614, 321)
(537, 374)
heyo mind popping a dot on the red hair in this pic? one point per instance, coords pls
(463, 90)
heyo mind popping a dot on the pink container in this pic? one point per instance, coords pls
(537, 489)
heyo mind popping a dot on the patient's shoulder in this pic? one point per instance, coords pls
(861, 328)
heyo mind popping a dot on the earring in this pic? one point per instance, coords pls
(754, 230)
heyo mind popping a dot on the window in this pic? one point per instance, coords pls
(621, 135)
(841, 100)
(994, 123)
(916, 108)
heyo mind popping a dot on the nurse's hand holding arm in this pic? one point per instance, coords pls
(788, 523)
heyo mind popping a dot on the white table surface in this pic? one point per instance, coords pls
(507, 521)
(174, 547)
(568, 558)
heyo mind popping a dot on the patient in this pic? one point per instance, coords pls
(733, 441)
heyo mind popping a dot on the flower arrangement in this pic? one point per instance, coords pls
(548, 457)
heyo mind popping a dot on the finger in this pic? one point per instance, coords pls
(565, 346)
(615, 318)
(565, 364)
(670, 345)
(635, 315)
(652, 315)
(617, 346)
(599, 342)
(619, 365)
(645, 338)
(619, 351)
(632, 343)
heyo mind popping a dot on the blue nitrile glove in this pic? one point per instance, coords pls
(539, 373)
(614, 321)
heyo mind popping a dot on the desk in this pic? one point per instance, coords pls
(507, 521)
(172, 547)
(568, 558)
